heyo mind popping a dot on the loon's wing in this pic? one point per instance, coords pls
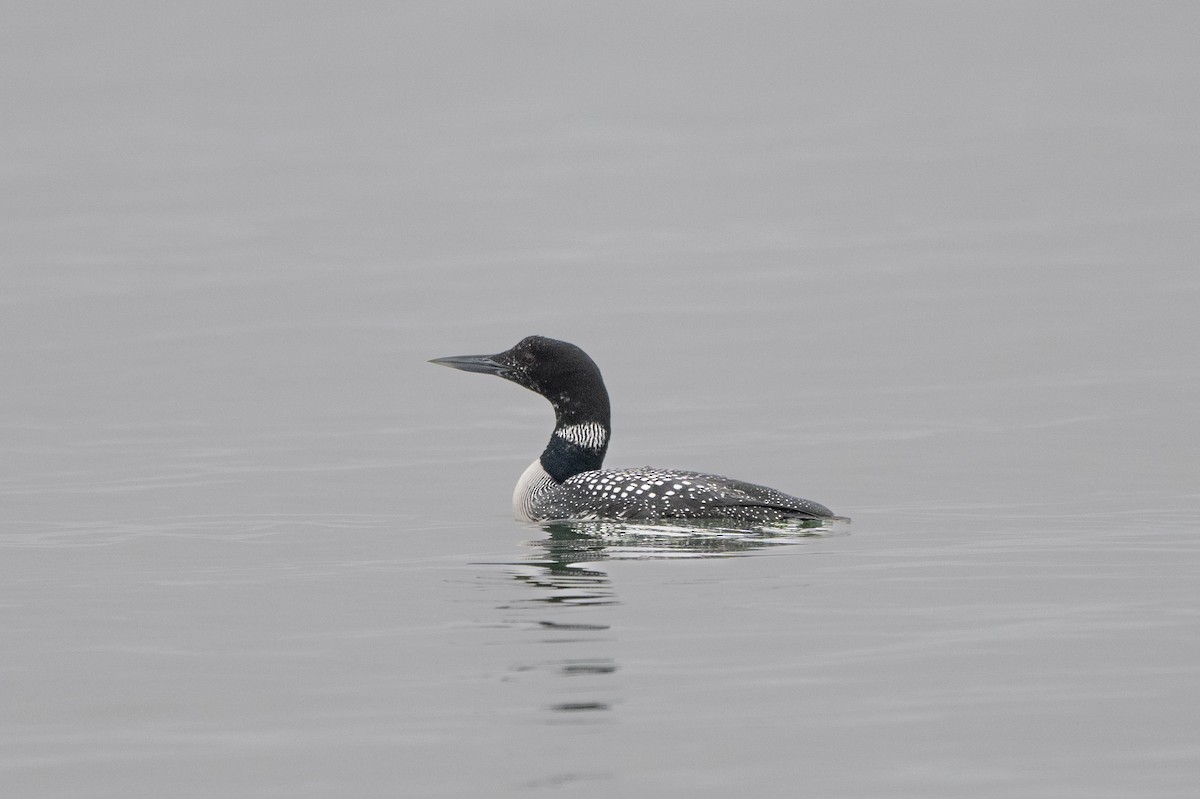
(650, 493)
(763, 496)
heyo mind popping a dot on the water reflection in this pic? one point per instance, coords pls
(563, 581)
(564, 569)
(564, 572)
(575, 542)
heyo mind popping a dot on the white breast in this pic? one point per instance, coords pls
(532, 481)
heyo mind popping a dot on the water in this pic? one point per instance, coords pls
(930, 265)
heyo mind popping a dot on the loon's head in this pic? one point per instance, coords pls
(560, 372)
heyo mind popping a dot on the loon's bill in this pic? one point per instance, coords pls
(566, 481)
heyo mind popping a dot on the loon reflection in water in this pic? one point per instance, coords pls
(566, 565)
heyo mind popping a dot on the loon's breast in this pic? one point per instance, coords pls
(650, 493)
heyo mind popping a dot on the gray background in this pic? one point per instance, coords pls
(932, 264)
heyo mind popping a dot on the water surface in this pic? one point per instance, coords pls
(930, 265)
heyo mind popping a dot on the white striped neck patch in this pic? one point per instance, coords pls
(590, 435)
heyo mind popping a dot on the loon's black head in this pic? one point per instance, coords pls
(560, 372)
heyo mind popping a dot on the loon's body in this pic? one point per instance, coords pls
(567, 483)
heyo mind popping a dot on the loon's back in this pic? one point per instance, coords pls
(650, 493)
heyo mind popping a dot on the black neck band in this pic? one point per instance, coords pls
(562, 459)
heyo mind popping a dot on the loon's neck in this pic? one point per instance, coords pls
(581, 433)
(574, 449)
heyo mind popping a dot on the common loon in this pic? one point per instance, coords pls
(567, 483)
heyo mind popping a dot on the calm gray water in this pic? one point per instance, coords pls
(931, 264)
